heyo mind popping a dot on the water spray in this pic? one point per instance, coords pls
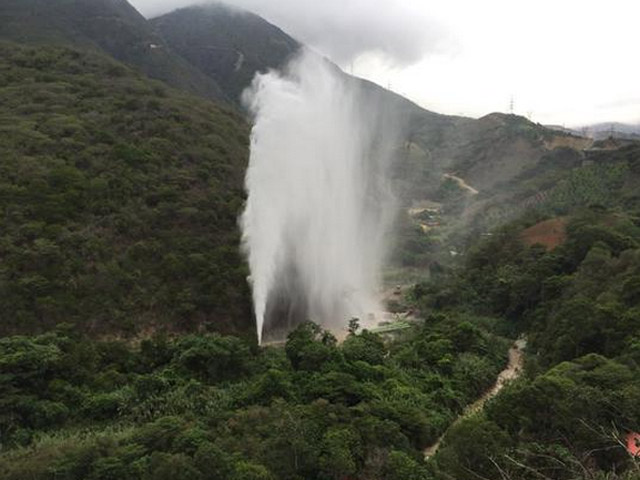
(319, 205)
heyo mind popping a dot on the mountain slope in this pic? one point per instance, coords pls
(228, 47)
(119, 198)
(215, 51)
(231, 45)
(498, 147)
(112, 26)
(226, 44)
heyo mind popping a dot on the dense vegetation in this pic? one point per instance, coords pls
(213, 407)
(119, 199)
(567, 417)
(200, 407)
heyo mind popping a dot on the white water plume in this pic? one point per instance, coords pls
(319, 206)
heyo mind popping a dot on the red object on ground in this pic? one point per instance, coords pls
(633, 444)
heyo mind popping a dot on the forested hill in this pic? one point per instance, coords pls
(224, 48)
(120, 272)
(113, 27)
(229, 45)
(577, 298)
(206, 407)
(214, 51)
(120, 199)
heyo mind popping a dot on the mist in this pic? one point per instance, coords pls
(399, 32)
(319, 204)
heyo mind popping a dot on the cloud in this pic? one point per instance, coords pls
(153, 8)
(401, 31)
(469, 57)
(621, 102)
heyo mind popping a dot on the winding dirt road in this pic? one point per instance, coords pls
(461, 183)
(511, 372)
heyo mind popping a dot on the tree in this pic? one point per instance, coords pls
(354, 326)
(244, 470)
(400, 466)
(472, 447)
(340, 448)
(367, 347)
(309, 347)
(168, 466)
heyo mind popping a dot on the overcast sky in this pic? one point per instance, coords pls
(567, 62)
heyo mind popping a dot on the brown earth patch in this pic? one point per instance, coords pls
(549, 233)
(577, 143)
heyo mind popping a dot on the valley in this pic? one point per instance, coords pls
(508, 271)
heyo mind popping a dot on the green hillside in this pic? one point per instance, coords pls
(214, 51)
(113, 27)
(120, 199)
(208, 407)
(578, 303)
(127, 347)
(228, 45)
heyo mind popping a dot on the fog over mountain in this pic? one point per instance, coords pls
(402, 32)
(471, 58)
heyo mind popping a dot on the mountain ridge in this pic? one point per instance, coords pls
(111, 26)
(447, 144)
(227, 44)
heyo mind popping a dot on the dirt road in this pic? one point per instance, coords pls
(464, 185)
(511, 372)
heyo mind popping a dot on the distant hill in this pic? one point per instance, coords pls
(602, 131)
(489, 154)
(231, 45)
(498, 147)
(111, 26)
